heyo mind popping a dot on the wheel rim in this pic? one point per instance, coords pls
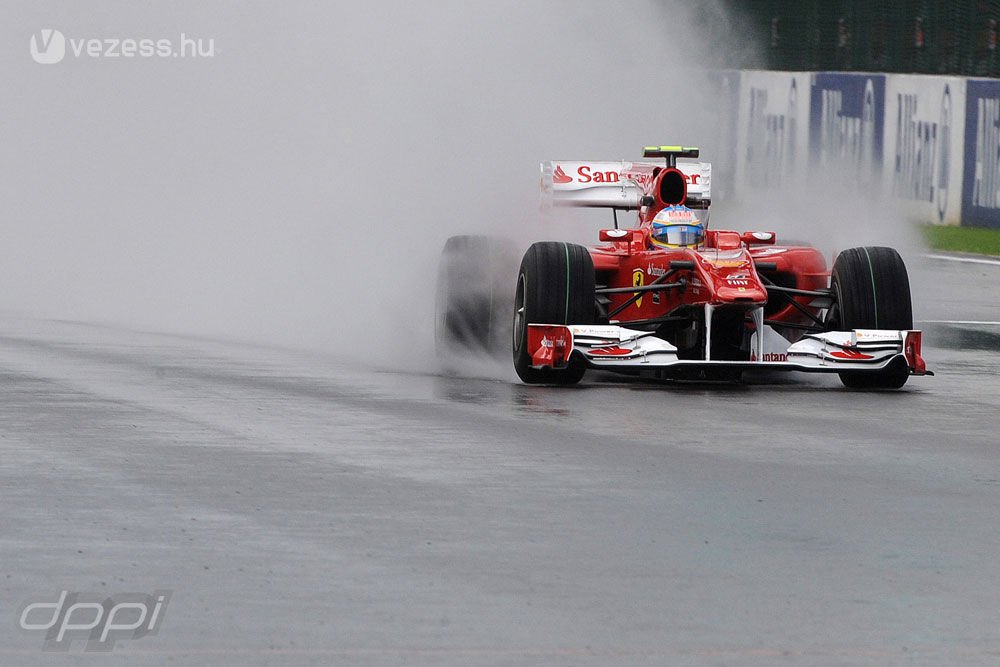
(519, 315)
(833, 317)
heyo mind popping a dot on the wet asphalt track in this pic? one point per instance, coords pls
(304, 512)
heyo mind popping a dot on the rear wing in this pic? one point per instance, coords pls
(618, 185)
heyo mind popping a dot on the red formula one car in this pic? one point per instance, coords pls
(669, 298)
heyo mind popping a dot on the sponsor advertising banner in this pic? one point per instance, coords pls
(721, 146)
(924, 140)
(933, 142)
(847, 122)
(981, 184)
(772, 127)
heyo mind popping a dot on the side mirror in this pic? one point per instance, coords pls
(614, 235)
(758, 238)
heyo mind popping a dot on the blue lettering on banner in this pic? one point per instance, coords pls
(944, 154)
(846, 120)
(916, 150)
(725, 87)
(981, 181)
(771, 149)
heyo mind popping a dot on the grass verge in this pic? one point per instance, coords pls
(963, 239)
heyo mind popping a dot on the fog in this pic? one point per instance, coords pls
(827, 208)
(297, 186)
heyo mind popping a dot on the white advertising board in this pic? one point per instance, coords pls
(924, 145)
(772, 127)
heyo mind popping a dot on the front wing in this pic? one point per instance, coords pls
(617, 348)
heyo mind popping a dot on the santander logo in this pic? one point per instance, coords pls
(587, 173)
(559, 176)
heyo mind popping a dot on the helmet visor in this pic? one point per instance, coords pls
(679, 235)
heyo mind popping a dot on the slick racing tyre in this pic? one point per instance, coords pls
(871, 291)
(474, 296)
(554, 286)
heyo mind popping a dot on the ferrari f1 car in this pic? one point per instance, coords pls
(669, 298)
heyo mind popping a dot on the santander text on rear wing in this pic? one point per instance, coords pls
(617, 184)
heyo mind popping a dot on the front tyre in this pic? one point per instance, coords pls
(872, 291)
(555, 285)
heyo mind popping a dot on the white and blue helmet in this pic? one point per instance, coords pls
(677, 227)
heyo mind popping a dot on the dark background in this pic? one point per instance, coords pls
(923, 36)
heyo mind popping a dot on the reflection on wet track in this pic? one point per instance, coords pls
(307, 511)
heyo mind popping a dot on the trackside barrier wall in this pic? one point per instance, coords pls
(772, 136)
(981, 183)
(924, 142)
(933, 142)
(847, 121)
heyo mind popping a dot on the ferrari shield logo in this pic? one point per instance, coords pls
(638, 279)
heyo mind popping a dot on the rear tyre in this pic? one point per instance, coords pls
(474, 295)
(554, 286)
(872, 291)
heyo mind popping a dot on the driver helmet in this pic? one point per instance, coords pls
(677, 227)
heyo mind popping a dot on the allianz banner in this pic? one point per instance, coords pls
(719, 146)
(924, 141)
(846, 122)
(772, 127)
(981, 185)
